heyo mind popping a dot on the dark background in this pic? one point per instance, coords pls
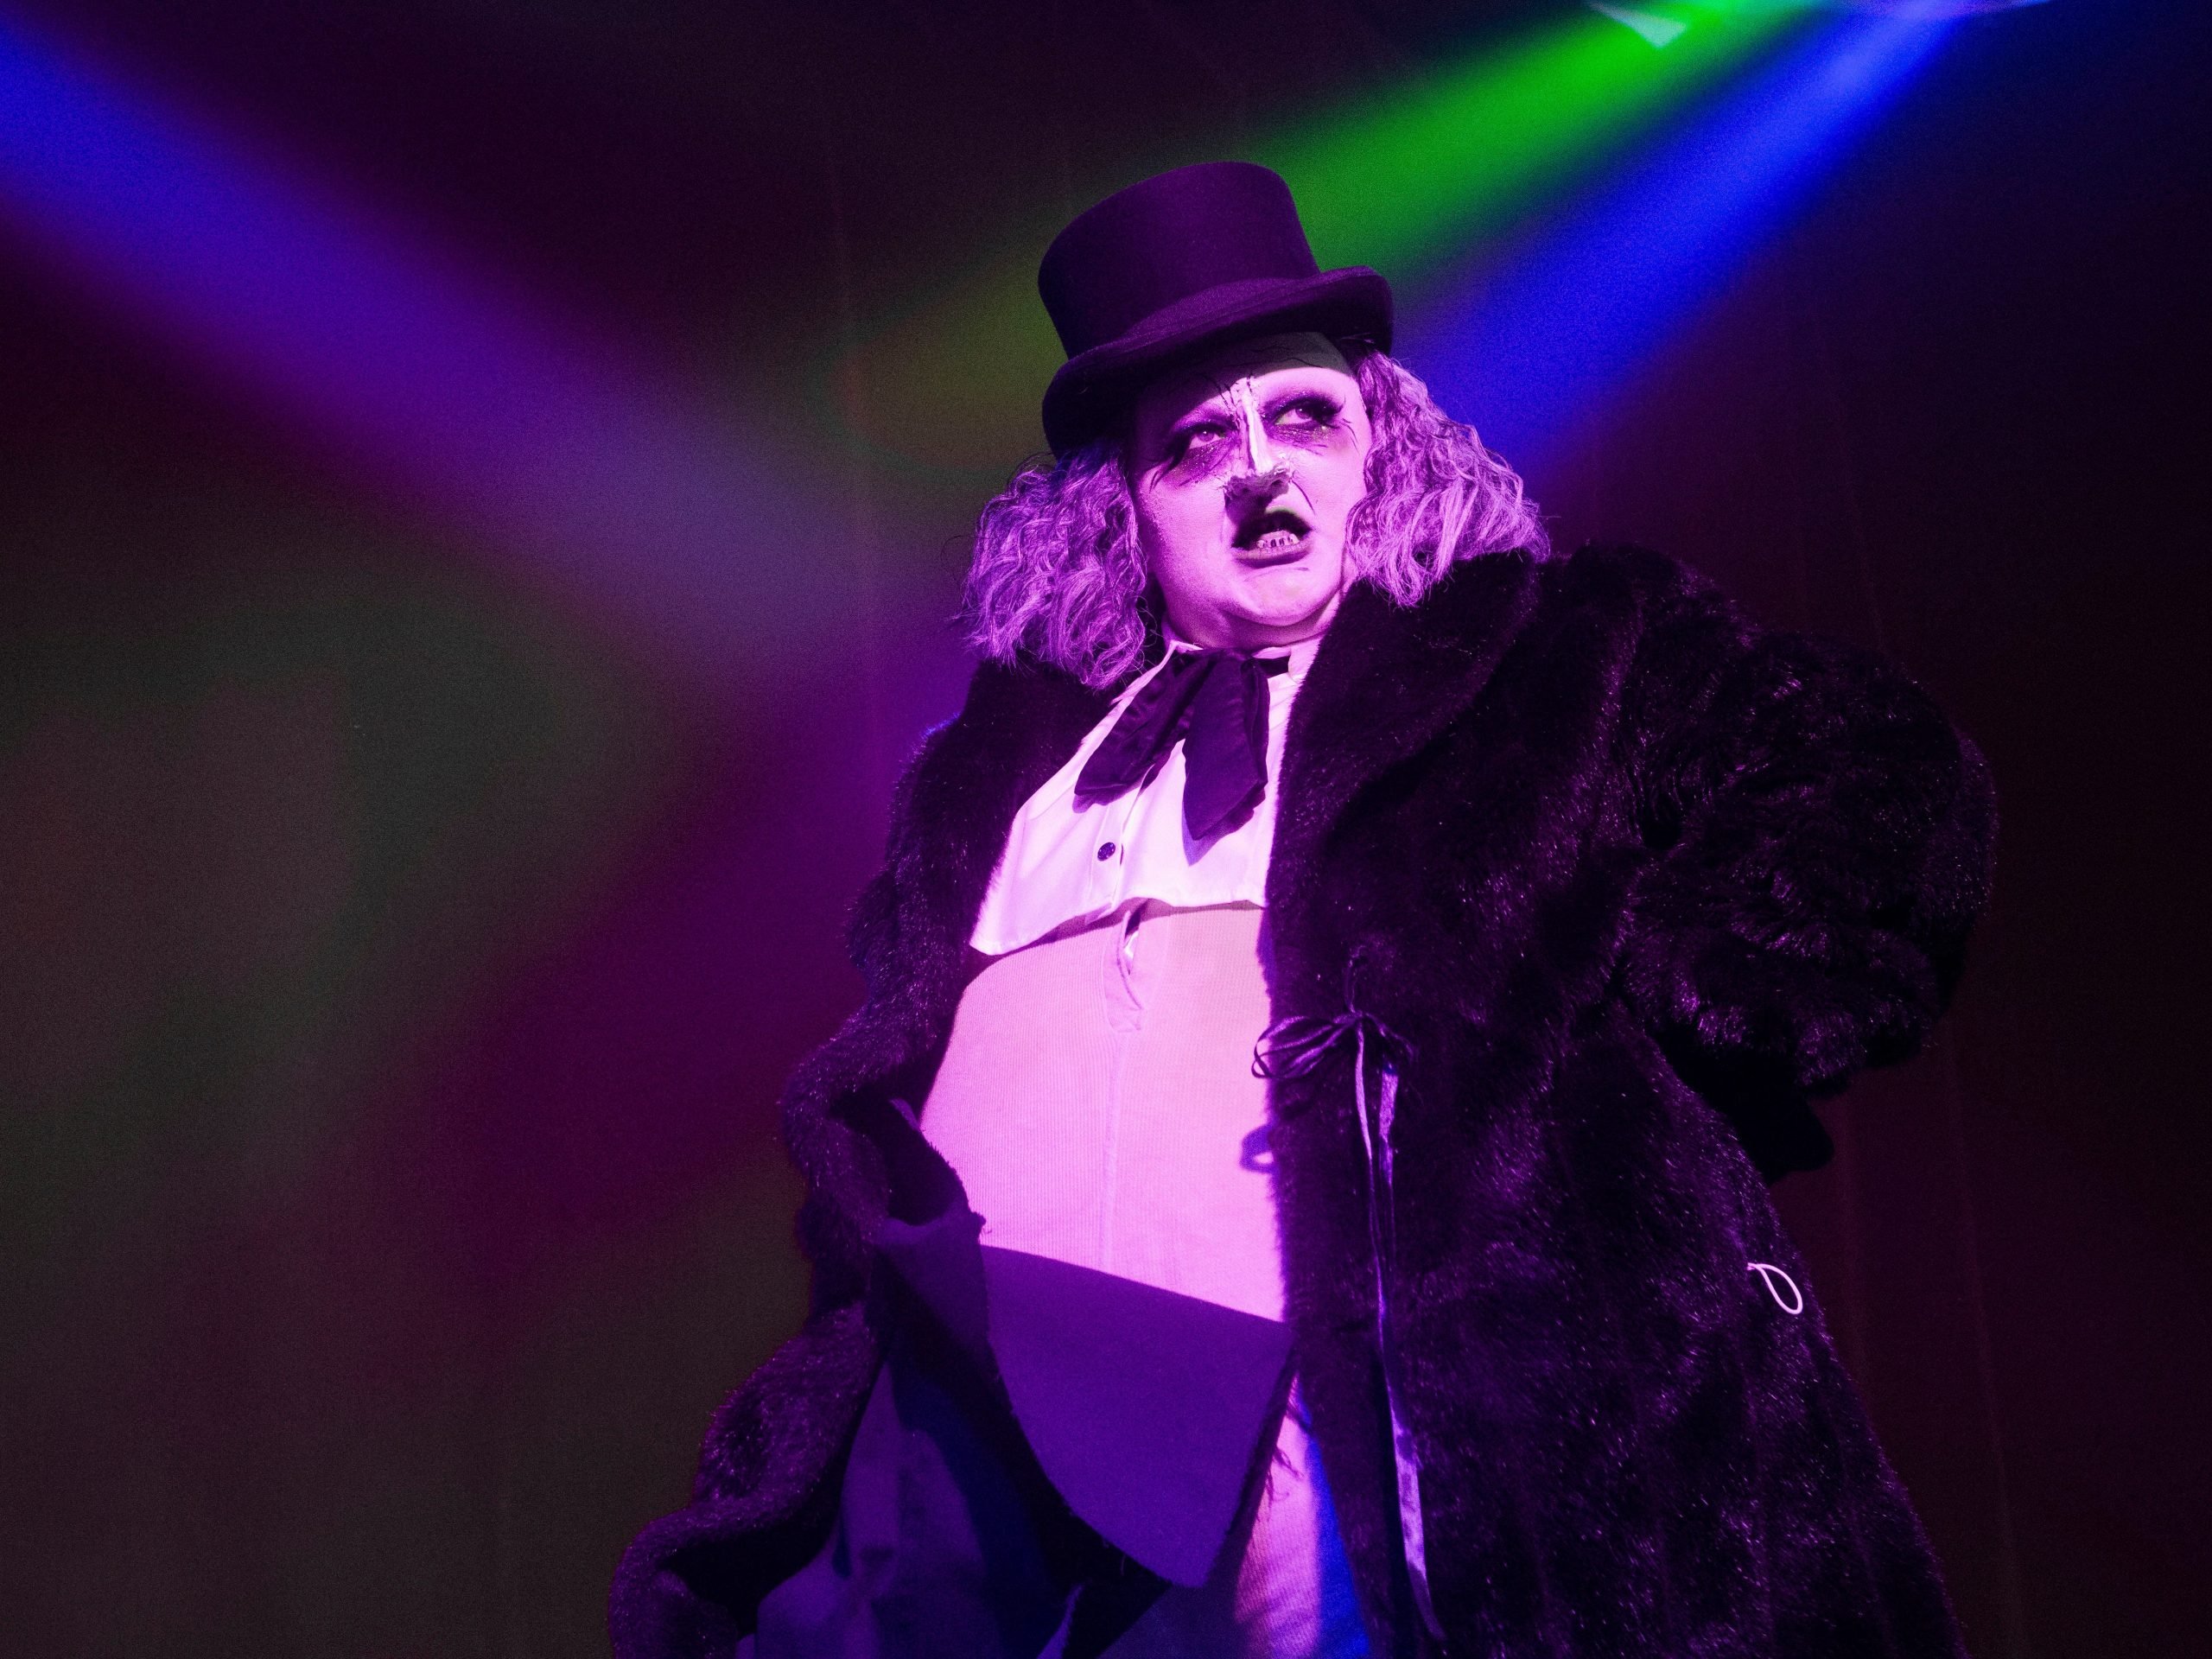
(405, 924)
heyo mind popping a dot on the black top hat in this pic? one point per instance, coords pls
(1187, 259)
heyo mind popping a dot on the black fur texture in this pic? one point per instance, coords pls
(1638, 880)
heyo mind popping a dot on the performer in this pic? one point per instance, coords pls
(1297, 1185)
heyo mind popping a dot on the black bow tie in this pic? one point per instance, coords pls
(1216, 702)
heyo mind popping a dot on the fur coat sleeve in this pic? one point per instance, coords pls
(1822, 839)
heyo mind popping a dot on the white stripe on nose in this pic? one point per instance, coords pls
(1256, 450)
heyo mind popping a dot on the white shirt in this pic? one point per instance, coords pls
(1106, 1118)
(1067, 866)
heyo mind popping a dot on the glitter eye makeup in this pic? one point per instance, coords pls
(1304, 417)
(1198, 448)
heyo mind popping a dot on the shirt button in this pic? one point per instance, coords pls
(1105, 851)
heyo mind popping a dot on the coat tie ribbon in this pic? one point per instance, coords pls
(1295, 1047)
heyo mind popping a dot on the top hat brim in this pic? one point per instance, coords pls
(1093, 389)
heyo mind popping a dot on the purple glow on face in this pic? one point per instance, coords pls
(1530, 345)
(643, 498)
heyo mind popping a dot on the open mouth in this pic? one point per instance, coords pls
(1273, 534)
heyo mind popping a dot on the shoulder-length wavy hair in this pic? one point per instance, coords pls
(1058, 573)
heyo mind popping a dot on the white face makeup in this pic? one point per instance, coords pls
(1245, 467)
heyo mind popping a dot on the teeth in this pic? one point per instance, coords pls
(1276, 541)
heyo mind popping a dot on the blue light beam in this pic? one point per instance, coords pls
(1530, 341)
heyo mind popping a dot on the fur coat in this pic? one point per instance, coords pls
(1636, 880)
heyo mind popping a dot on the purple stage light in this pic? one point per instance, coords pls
(645, 499)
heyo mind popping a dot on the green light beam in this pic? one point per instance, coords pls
(1416, 174)
(1402, 180)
